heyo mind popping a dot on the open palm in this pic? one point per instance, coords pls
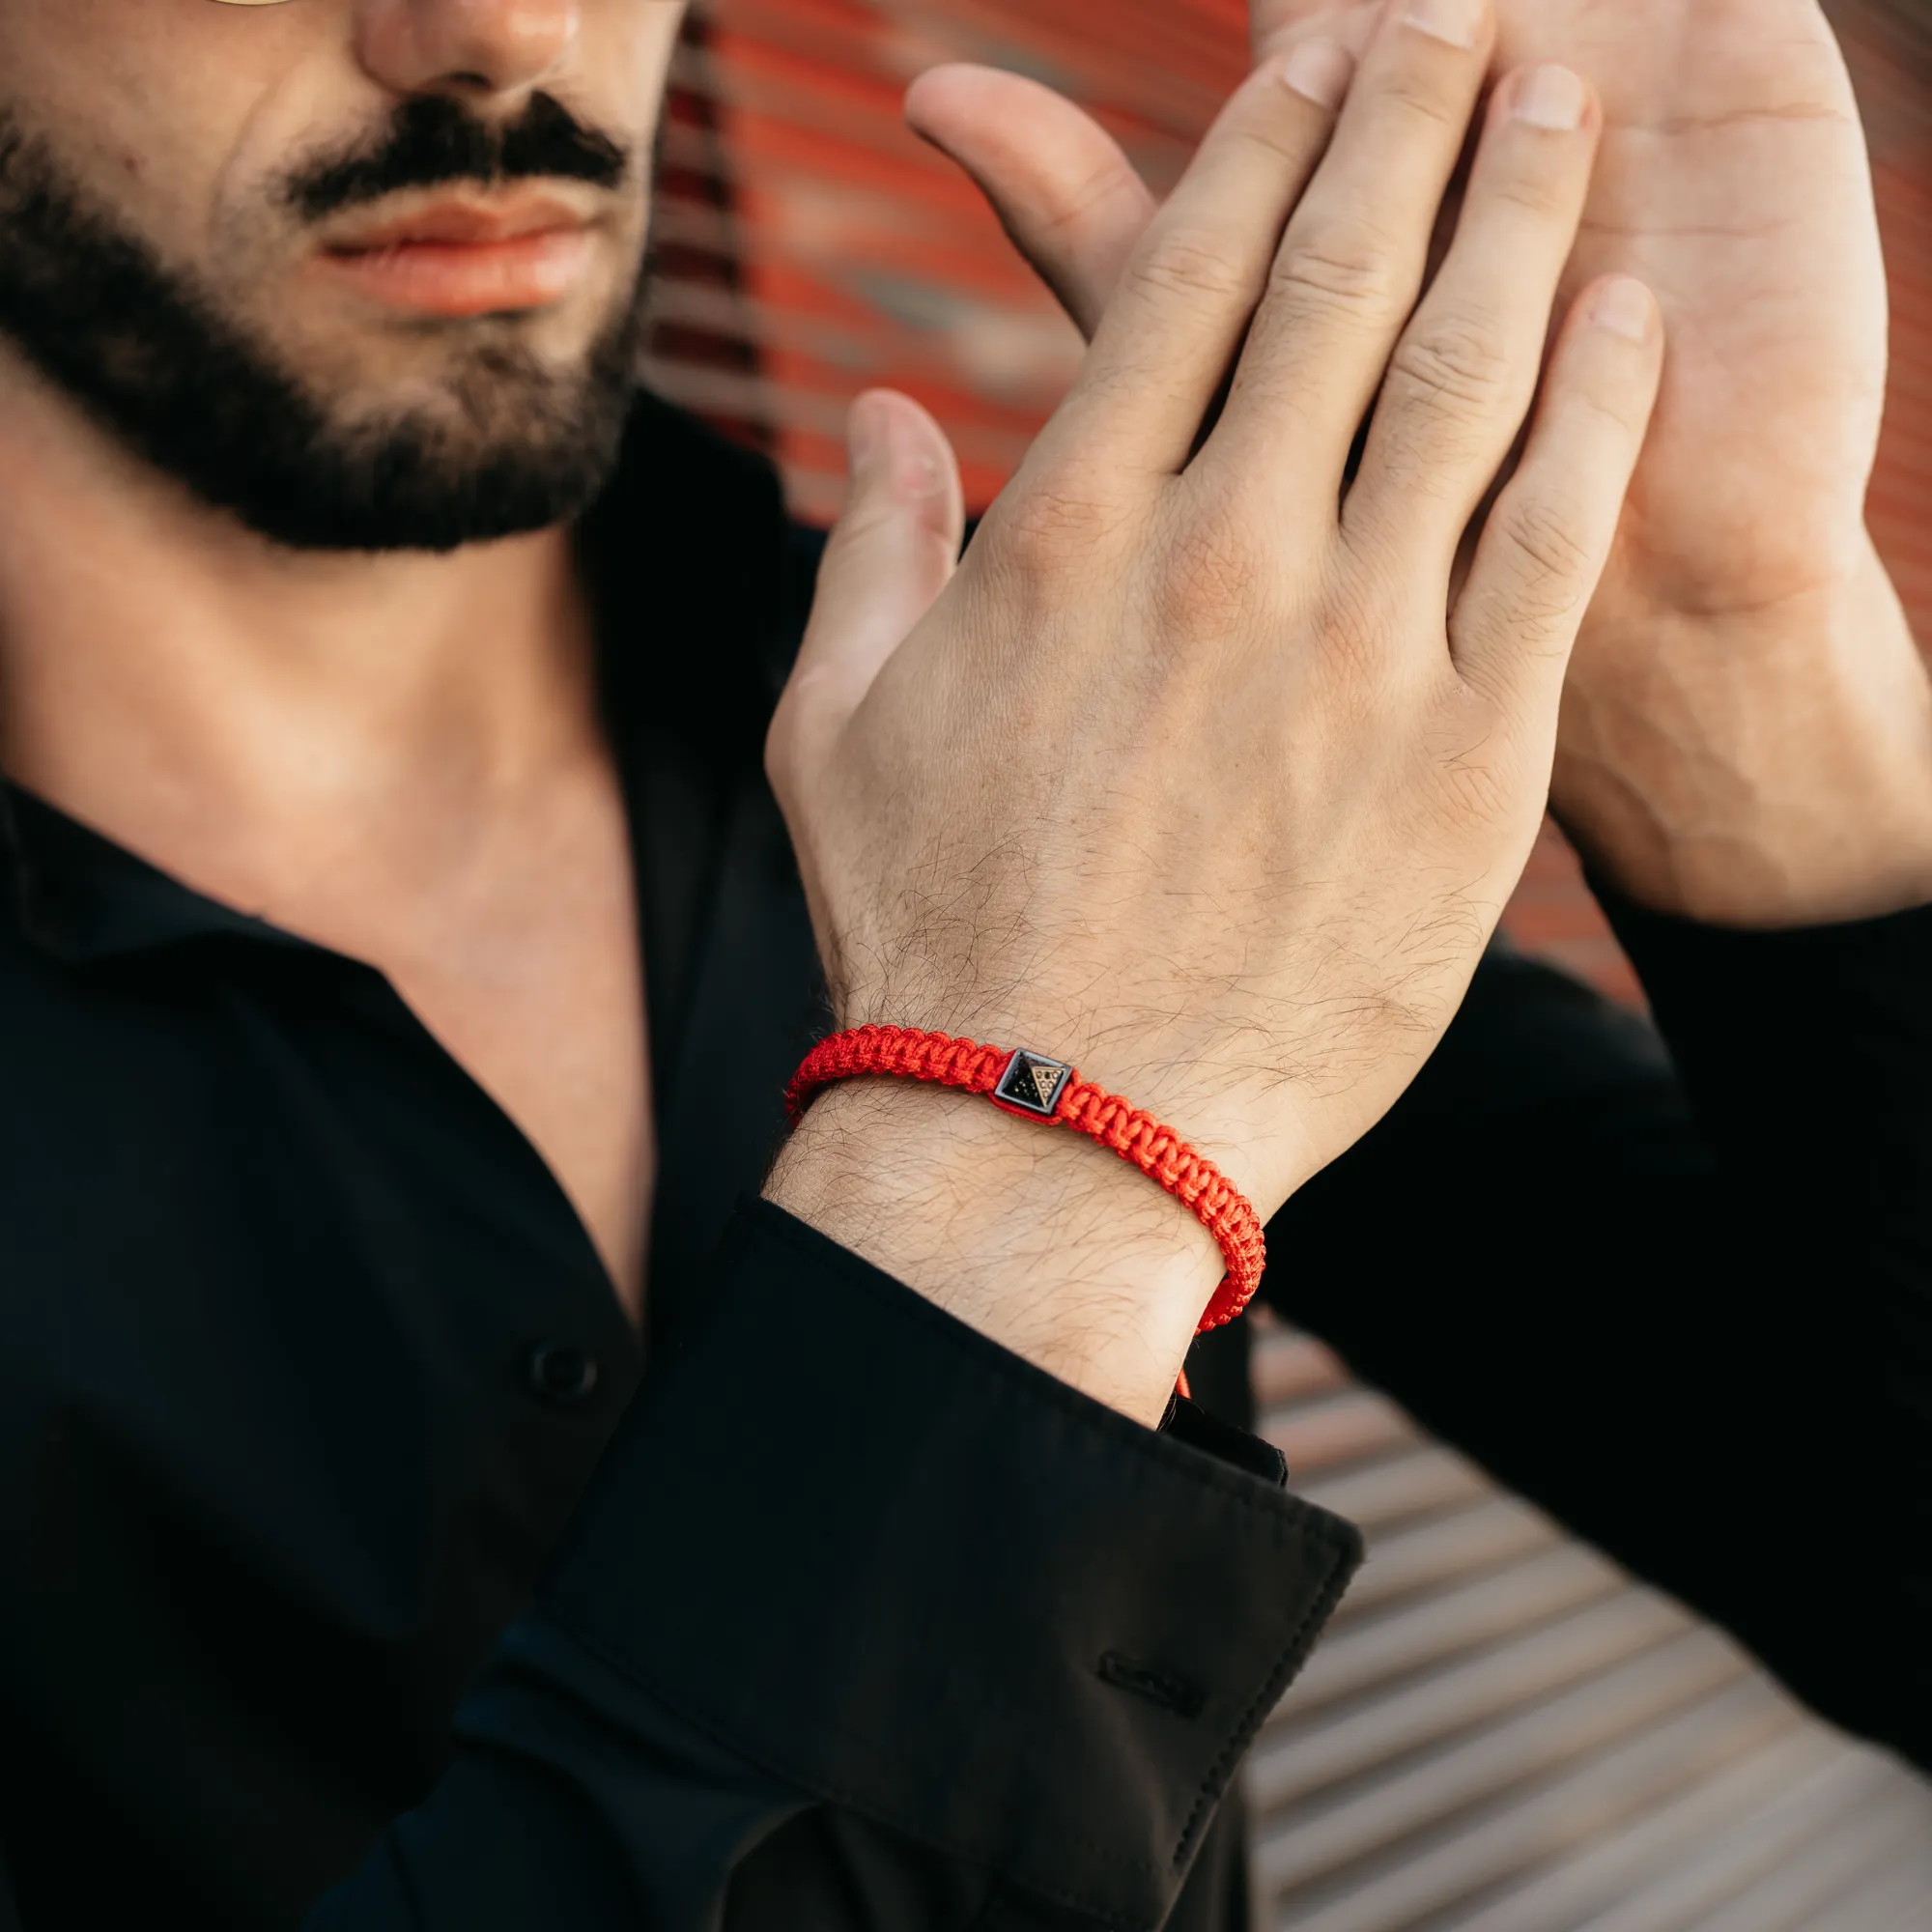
(1733, 180)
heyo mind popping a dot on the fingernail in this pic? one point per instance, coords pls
(1319, 71)
(917, 472)
(1550, 96)
(1460, 22)
(1626, 308)
(869, 436)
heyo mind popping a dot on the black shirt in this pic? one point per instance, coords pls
(357, 1559)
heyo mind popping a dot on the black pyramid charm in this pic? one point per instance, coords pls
(1033, 1083)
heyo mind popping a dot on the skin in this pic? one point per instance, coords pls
(1284, 802)
(397, 756)
(1746, 733)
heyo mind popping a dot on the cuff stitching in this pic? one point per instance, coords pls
(1215, 1784)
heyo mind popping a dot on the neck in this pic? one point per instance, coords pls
(229, 708)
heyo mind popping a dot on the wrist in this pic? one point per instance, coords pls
(1769, 768)
(1039, 1239)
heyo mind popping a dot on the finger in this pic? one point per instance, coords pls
(1275, 25)
(1350, 264)
(1544, 548)
(1461, 381)
(893, 551)
(1164, 346)
(1065, 193)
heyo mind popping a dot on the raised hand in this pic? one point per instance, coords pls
(1193, 773)
(1748, 733)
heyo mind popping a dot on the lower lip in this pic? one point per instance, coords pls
(458, 278)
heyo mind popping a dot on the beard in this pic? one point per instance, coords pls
(510, 445)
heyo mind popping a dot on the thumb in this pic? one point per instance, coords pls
(893, 551)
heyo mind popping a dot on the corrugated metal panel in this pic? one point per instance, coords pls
(1501, 1733)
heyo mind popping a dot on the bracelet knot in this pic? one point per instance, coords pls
(1050, 1091)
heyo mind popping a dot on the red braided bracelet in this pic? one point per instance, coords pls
(1040, 1088)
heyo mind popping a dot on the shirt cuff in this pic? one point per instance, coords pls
(1888, 954)
(896, 1566)
(1804, 1001)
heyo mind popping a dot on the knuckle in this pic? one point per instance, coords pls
(1110, 190)
(1546, 196)
(1345, 267)
(1063, 521)
(1616, 406)
(864, 517)
(1189, 264)
(1354, 649)
(1272, 141)
(1553, 561)
(1424, 101)
(1453, 365)
(1205, 584)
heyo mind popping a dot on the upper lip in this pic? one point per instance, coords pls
(454, 221)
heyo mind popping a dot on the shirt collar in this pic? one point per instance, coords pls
(691, 636)
(82, 897)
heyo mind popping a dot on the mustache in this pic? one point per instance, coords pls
(435, 142)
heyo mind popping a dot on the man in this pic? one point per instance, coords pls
(370, 681)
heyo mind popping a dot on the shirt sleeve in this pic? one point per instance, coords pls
(866, 1624)
(1674, 1283)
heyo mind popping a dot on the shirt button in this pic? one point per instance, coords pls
(562, 1374)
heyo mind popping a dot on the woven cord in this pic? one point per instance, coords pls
(1127, 1131)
